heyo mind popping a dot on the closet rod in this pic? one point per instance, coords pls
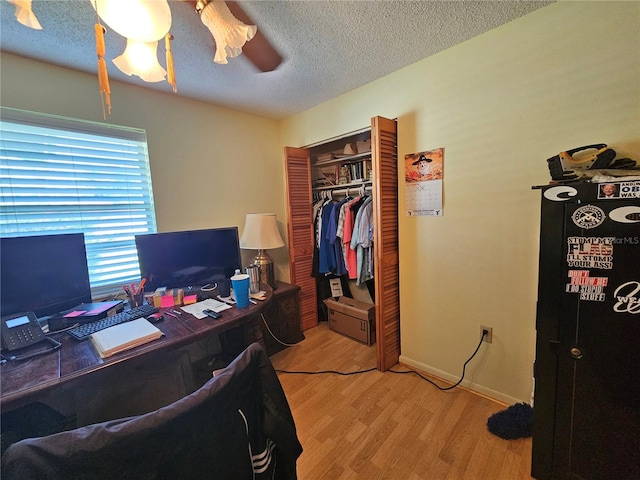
(342, 191)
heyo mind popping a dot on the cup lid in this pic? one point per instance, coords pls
(240, 276)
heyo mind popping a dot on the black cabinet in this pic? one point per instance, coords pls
(587, 368)
(282, 317)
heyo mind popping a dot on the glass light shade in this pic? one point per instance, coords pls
(24, 14)
(140, 20)
(141, 59)
(229, 33)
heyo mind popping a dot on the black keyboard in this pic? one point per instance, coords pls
(82, 332)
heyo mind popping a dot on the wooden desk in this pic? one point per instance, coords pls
(282, 316)
(34, 379)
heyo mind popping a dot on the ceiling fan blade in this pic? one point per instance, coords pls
(258, 50)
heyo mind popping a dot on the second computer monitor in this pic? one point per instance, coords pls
(188, 258)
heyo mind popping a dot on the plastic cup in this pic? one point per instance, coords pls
(240, 284)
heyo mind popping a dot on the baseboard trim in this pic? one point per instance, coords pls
(439, 375)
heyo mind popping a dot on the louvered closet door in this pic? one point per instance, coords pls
(386, 261)
(300, 231)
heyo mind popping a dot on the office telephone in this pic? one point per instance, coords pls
(23, 330)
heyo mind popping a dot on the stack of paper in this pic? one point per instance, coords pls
(124, 336)
(196, 309)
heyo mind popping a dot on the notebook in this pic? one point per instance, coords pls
(122, 337)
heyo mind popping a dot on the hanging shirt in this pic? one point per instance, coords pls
(336, 241)
(350, 255)
(326, 253)
(364, 221)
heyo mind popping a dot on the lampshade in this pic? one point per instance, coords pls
(141, 59)
(229, 33)
(261, 233)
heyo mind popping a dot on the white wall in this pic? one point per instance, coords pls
(500, 104)
(209, 165)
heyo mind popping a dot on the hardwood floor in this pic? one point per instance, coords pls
(388, 426)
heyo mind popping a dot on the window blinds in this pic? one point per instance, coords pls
(60, 175)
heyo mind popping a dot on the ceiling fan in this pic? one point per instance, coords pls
(222, 19)
(145, 22)
(259, 50)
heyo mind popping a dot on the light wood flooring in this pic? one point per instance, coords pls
(387, 426)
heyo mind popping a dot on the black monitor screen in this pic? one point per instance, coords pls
(188, 259)
(44, 274)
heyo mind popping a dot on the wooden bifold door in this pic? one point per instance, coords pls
(300, 229)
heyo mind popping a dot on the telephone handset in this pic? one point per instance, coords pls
(22, 330)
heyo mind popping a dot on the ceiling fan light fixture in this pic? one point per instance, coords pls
(229, 33)
(24, 14)
(140, 20)
(141, 59)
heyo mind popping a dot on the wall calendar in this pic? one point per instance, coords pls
(424, 175)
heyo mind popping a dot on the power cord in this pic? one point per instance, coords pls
(321, 372)
(55, 345)
(464, 366)
(444, 389)
(274, 337)
(62, 330)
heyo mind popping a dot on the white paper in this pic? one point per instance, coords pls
(196, 309)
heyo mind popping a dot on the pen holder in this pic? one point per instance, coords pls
(136, 299)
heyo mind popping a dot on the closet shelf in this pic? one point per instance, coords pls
(343, 159)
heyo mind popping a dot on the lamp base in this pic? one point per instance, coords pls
(267, 271)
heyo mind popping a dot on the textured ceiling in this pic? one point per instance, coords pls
(329, 47)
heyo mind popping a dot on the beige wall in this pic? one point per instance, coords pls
(500, 105)
(209, 165)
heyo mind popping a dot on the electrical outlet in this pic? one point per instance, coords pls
(489, 336)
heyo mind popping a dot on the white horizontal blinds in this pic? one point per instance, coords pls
(60, 175)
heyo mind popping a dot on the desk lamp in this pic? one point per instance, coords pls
(261, 233)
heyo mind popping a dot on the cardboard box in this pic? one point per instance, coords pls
(352, 318)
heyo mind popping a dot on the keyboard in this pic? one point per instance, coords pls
(82, 332)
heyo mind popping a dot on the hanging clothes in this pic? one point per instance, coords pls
(335, 240)
(317, 228)
(349, 225)
(362, 241)
(344, 237)
(326, 254)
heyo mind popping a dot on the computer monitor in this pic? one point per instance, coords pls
(44, 274)
(185, 259)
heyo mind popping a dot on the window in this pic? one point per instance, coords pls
(60, 175)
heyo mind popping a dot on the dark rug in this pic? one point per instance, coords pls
(514, 422)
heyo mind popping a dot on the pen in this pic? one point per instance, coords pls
(171, 314)
(226, 300)
(140, 287)
(176, 312)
